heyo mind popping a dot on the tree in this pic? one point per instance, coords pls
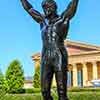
(36, 80)
(14, 77)
(1, 82)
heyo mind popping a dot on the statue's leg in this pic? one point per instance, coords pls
(46, 80)
(61, 77)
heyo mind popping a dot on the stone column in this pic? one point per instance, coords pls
(37, 64)
(75, 75)
(85, 75)
(95, 73)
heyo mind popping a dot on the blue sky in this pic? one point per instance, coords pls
(20, 35)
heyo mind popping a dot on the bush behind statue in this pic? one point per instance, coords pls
(14, 77)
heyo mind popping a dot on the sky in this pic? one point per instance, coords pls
(20, 35)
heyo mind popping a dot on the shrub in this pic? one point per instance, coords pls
(1, 80)
(20, 90)
(36, 80)
(2, 83)
(14, 77)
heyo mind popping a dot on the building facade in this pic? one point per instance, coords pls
(83, 63)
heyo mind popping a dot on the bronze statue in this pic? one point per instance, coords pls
(54, 59)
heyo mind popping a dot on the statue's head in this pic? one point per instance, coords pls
(49, 7)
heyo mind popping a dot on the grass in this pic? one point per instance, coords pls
(84, 96)
(21, 97)
(71, 95)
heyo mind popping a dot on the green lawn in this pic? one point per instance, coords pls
(84, 96)
(72, 96)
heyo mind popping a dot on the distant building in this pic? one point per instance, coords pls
(28, 82)
(84, 63)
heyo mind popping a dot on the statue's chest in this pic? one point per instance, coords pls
(54, 30)
(49, 28)
(49, 33)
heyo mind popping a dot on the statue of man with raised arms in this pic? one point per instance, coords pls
(54, 58)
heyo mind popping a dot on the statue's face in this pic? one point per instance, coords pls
(49, 9)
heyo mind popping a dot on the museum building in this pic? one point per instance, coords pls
(83, 63)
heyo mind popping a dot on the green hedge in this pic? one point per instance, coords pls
(38, 90)
(29, 91)
(33, 90)
(84, 89)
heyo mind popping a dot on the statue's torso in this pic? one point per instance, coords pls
(53, 36)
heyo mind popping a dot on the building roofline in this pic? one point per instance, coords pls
(85, 53)
(81, 44)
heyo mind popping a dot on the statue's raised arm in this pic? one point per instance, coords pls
(70, 10)
(35, 14)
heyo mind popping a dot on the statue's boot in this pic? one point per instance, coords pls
(46, 95)
(63, 98)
